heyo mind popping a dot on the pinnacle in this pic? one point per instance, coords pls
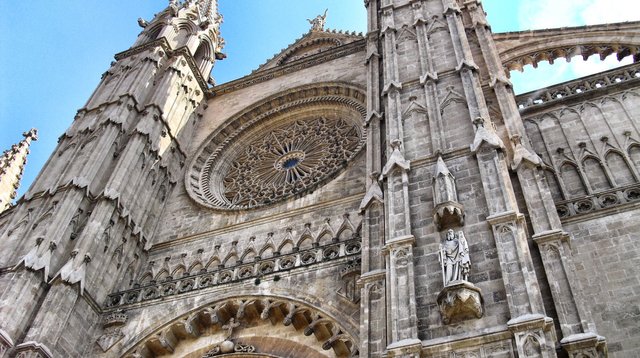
(12, 164)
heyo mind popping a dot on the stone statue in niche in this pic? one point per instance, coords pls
(459, 299)
(454, 258)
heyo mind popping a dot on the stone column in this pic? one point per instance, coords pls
(428, 77)
(403, 327)
(528, 320)
(553, 242)
(372, 282)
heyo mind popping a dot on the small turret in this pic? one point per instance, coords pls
(11, 167)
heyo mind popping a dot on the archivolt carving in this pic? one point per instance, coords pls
(280, 148)
(230, 316)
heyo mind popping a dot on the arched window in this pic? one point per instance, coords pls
(619, 169)
(572, 180)
(596, 175)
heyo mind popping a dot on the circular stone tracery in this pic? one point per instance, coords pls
(281, 148)
(289, 160)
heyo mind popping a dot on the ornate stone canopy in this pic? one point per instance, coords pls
(280, 148)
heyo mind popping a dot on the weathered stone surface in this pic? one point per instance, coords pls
(117, 251)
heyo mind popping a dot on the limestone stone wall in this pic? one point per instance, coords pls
(586, 131)
(607, 254)
(183, 217)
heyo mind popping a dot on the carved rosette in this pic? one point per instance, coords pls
(460, 301)
(281, 148)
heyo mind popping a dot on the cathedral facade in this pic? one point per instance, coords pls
(376, 195)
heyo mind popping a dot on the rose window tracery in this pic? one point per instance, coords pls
(289, 159)
(285, 151)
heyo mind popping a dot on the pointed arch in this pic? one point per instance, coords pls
(213, 263)
(195, 267)
(248, 255)
(179, 271)
(634, 154)
(203, 54)
(619, 168)
(162, 275)
(326, 235)
(346, 230)
(305, 242)
(573, 181)
(230, 260)
(596, 174)
(286, 246)
(267, 251)
(554, 185)
(146, 278)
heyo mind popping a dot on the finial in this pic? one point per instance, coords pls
(317, 23)
(32, 133)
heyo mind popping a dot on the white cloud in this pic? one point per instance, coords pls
(606, 11)
(593, 65)
(543, 14)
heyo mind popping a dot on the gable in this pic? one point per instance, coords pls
(312, 43)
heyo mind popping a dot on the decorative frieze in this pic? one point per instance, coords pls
(571, 89)
(597, 202)
(256, 270)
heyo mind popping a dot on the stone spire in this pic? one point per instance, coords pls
(11, 167)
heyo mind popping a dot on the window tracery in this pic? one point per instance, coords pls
(282, 147)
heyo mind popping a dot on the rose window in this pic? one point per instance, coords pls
(280, 154)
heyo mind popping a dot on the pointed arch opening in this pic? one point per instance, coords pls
(619, 168)
(596, 174)
(572, 179)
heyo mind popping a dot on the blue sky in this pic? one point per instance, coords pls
(53, 52)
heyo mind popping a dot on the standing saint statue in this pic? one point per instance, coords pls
(317, 23)
(454, 258)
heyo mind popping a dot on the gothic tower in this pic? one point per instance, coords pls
(437, 90)
(90, 212)
(376, 195)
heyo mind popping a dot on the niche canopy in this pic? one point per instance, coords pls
(279, 148)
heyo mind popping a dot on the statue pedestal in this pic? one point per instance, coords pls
(460, 300)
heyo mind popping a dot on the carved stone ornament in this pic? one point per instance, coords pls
(454, 258)
(229, 347)
(459, 301)
(112, 325)
(282, 148)
(317, 23)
